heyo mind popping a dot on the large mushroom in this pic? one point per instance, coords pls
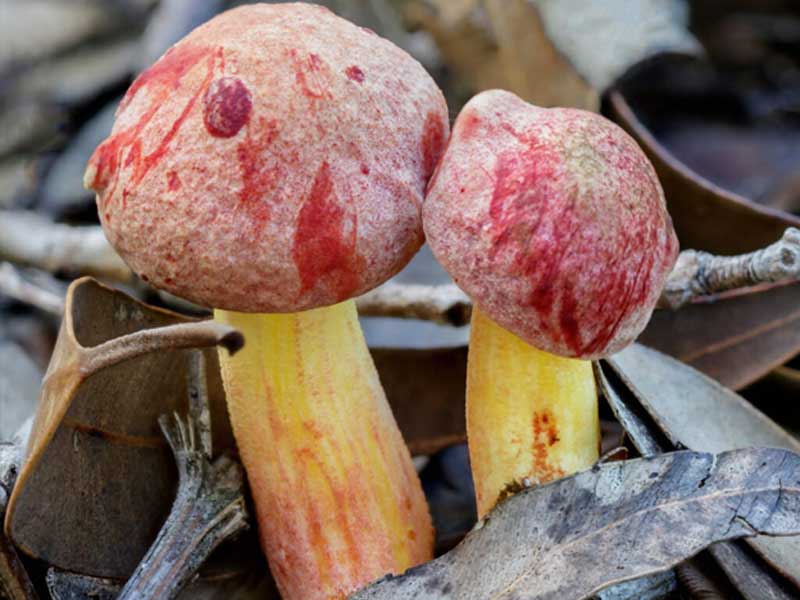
(554, 222)
(272, 165)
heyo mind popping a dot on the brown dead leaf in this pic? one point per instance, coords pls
(737, 339)
(706, 217)
(694, 411)
(617, 521)
(98, 479)
(753, 578)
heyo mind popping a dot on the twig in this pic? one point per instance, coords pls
(209, 507)
(30, 239)
(64, 585)
(199, 410)
(15, 286)
(441, 303)
(196, 334)
(699, 273)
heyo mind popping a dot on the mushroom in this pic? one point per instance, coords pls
(554, 223)
(272, 165)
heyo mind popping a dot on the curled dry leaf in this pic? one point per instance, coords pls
(693, 411)
(573, 537)
(737, 339)
(753, 578)
(98, 478)
(706, 217)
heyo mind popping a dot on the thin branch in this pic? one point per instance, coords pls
(30, 239)
(199, 410)
(698, 274)
(209, 507)
(14, 285)
(197, 334)
(445, 304)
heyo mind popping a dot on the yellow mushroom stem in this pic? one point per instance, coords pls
(337, 498)
(532, 416)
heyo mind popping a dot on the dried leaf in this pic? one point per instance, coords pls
(98, 479)
(652, 587)
(426, 389)
(615, 522)
(706, 217)
(735, 340)
(64, 585)
(695, 411)
(754, 579)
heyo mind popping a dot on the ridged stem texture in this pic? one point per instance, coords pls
(338, 501)
(532, 416)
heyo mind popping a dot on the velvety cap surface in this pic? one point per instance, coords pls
(553, 221)
(273, 160)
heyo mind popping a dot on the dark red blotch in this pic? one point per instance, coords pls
(161, 79)
(354, 73)
(432, 144)
(227, 105)
(535, 218)
(324, 248)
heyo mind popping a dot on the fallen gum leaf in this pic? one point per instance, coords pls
(573, 537)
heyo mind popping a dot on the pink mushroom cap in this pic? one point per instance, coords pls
(274, 160)
(553, 221)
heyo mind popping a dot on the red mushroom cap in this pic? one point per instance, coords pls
(274, 160)
(553, 221)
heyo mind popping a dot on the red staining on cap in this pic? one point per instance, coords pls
(324, 249)
(468, 125)
(311, 74)
(432, 143)
(258, 181)
(226, 107)
(354, 73)
(173, 181)
(364, 169)
(532, 228)
(168, 71)
(161, 79)
(539, 233)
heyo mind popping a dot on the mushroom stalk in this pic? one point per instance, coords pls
(337, 499)
(532, 416)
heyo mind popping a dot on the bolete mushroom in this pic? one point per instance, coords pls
(554, 222)
(272, 165)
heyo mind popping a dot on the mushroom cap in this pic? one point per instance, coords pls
(273, 160)
(553, 221)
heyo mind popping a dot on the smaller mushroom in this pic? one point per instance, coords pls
(554, 223)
